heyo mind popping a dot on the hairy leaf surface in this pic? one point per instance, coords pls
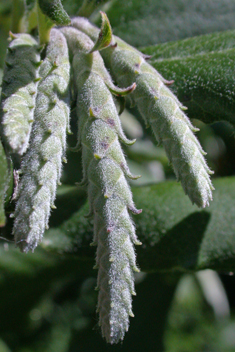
(147, 22)
(203, 71)
(162, 111)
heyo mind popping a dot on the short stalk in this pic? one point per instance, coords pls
(44, 26)
(19, 23)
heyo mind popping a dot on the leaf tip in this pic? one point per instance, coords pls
(105, 34)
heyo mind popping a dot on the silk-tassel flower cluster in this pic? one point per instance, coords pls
(35, 110)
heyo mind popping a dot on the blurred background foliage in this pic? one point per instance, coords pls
(47, 299)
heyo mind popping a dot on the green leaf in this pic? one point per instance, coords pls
(3, 183)
(147, 22)
(203, 71)
(199, 45)
(175, 234)
(55, 11)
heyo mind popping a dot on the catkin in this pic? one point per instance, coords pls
(19, 87)
(109, 194)
(162, 110)
(41, 165)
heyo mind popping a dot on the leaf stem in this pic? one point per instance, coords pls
(44, 26)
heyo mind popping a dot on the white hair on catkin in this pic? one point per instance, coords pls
(19, 88)
(41, 165)
(110, 198)
(162, 111)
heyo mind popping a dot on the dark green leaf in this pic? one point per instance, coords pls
(179, 236)
(203, 71)
(175, 234)
(3, 183)
(199, 45)
(55, 11)
(147, 22)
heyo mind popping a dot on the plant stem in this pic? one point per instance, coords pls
(32, 19)
(44, 26)
(19, 23)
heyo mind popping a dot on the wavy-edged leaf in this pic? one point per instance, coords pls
(203, 72)
(55, 11)
(175, 234)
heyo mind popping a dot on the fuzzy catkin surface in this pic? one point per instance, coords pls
(41, 165)
(110, 198)
(161, 109)
(170, 125)
(19, 90)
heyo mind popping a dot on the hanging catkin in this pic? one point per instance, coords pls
(162, 110)
(41, 165)
(109, 194)
(19, 88)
